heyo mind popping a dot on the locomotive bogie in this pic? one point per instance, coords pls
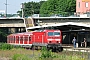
(55, 47)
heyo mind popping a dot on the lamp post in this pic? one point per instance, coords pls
(22, 7)
(6, 8)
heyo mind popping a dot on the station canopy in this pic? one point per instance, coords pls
(65, 26)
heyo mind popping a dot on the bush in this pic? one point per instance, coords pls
(5, 46)
(47, 54)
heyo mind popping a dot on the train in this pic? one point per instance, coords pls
(51, 39)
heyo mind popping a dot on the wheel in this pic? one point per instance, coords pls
(60, 49)
(32, 47)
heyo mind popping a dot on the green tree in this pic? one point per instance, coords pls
(49, 7)
(43, 9)
(31, 8)
(3, 35)
(58, 7)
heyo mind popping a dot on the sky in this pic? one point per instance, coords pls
(13, 5)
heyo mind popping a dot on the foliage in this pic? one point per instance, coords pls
(3, 32)
(20, 57)
(3, 35)
(62, 7)
(47, 54)
(24, 54)
(43, 8)
(5, 46)
(49, 7)
(31, 8)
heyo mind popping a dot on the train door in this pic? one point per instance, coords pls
(17, 39)
(13, 39)
(25, 39)
(9, 39)
(38, 39)
(21, 39)
(30, 39)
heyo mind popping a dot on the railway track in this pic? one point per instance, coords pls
(77, 49)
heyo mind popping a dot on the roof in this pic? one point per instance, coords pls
(21, 34)
(60, 24)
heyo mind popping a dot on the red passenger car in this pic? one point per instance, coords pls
(52, 39)
(22, 39)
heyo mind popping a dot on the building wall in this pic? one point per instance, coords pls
(82, 6)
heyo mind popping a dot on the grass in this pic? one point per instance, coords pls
(22, 54)
(26, 54)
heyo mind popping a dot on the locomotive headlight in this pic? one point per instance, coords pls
(49, 42)
(59, 41)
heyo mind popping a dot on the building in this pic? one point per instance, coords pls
(82, 6)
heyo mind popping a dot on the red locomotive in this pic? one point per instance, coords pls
(52, 39)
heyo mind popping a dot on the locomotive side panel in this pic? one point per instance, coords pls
(39, 39)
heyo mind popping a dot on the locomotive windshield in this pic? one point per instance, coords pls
(50, 33)
(53, 33)
(56, 33)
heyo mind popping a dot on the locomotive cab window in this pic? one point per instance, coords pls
(53, 33)
(56, 33)
(50, 33)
